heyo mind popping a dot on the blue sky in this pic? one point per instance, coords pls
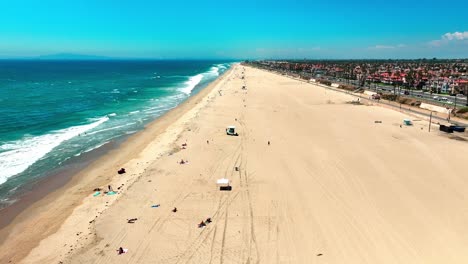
(235, 29)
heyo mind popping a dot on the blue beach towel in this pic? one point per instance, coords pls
(96, 194)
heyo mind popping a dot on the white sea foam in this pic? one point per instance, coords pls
(191, 83)
(21, 154)
(113, 114)
(90, 149)
(195, 80)
(214, 71)
(65, 159)
(154, 112)
(110, 128)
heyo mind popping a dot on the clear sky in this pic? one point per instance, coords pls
(235, 29)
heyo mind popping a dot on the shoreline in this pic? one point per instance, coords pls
(112, 128)
(58, 177)
(78, 181)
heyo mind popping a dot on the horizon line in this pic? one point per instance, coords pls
(219, 59)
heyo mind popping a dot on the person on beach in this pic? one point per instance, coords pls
(268, 143)
(132, 221)
(208, 220)
(182, 161)
(202, 224)
(174, 210)
(110, 188)
(207, 142)
(121, 250)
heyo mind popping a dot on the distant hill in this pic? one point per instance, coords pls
(71, 56)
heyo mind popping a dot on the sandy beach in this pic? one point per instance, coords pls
(317, 181)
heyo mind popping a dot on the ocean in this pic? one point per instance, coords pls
(51, 112)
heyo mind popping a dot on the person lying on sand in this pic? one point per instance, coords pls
(121, 171)
(132, 221)
(184, 145)
(202, 224)
(208, 220)
(122, 250)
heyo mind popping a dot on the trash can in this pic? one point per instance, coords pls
(458, 129)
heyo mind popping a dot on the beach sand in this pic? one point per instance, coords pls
(332, 187)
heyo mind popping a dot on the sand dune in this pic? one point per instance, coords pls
(333, 186)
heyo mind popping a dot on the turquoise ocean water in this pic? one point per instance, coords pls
(53, 111)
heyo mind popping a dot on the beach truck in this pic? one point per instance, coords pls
(231, 131)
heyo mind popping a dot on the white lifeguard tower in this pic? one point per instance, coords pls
(224, 184)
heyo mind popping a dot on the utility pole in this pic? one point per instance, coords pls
(466, 94)
(430, 122)
(455, 107)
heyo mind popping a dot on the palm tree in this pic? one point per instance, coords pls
(410, 79)
(397, 75)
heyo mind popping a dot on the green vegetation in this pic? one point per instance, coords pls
(325, 82)
(347, 87)
(389, 97)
